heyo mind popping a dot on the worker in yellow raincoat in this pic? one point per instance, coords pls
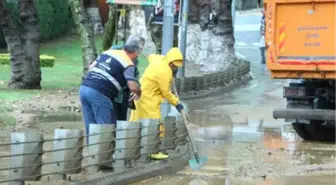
(156, 86)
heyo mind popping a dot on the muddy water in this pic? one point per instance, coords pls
(255, 151)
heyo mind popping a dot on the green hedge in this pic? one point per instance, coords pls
(54, 18)
(45, 60)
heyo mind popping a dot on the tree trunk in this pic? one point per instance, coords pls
(31, 37)
(224, 26)
(110, 28)
(223, 40)
(137, 25)
(24, 47)
(92, 11)
(83, 27)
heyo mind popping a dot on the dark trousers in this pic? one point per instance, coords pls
(120, 109)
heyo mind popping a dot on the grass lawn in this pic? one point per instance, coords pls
(66, 73)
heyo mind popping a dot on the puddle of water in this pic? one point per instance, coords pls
(60, 116)
(57, 116)
(216, 125)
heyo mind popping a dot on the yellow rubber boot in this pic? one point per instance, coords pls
(162, 130)
(159, 156)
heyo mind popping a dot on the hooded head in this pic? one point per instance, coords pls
(174, 56)
(174, 59)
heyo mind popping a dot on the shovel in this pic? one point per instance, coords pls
(198, 161)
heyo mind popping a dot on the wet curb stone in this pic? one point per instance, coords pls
(209, 84)
(177, 162)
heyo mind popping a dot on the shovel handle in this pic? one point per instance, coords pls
(186, 122)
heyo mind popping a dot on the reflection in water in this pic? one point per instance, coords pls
(216, 125)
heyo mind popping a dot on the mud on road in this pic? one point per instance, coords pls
(252, 152)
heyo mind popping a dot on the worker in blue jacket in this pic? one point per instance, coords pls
(120, 102)
(112, 72)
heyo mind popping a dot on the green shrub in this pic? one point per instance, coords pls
(45, 60)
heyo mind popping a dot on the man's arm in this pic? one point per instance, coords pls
(132, 83)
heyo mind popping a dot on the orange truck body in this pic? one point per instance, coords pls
(300, 38)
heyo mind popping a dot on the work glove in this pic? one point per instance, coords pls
(179, 107)
(131, 105)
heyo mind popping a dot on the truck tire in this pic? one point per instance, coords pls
(302, 131)
(320, 132)
(315, 131)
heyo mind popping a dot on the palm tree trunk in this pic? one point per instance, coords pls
(24, 48)
(31, 37)
(83, 27)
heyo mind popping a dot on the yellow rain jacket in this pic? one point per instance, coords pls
(155, 86)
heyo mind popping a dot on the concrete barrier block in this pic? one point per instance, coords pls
(150, 140)
(222, 79)
(237, 73)
(27, 148)
(213, 80)
(128, 136)
(192, 84)
(204, 80)
(207, 81)
(199, 83)
(231, 73)
(241, 70)
(186, 84)
(181, 131)
(219, 79)
(168, 141)
(68, 146)
(101, 146)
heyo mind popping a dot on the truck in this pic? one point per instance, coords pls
(300, 47)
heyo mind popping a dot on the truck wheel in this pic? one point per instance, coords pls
(302, 131)
(320, 132)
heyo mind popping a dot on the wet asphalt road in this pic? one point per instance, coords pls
(245, 145)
